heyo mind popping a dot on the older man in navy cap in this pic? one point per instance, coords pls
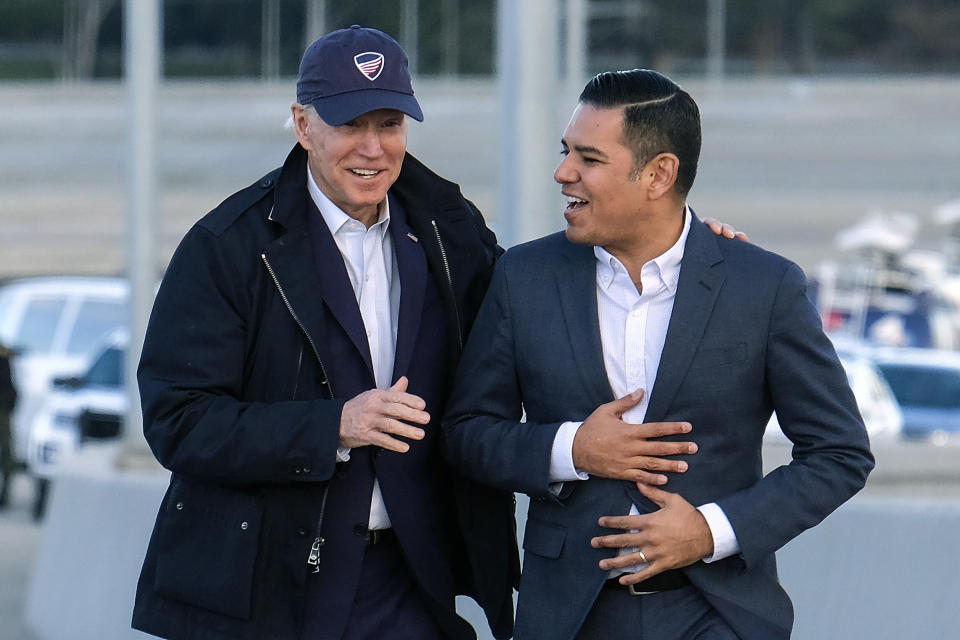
(294, 371)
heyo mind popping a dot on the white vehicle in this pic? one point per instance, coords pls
(78, 410)
(878, 406)
(926, 383)
(52, 323)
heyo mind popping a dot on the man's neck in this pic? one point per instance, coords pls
(659, 234)
(369, 216)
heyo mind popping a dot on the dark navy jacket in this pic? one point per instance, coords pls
(743, 340)
(254, 344)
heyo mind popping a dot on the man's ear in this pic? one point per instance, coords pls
(301, 123)
(662, 174)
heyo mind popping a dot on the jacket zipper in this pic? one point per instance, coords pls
(313, 559)
(453, 293)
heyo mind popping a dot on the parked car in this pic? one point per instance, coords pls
(878, 404)
(52, 323)
(926, 383)
(79, 409)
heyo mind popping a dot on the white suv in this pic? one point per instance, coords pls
(82, 409)
(52, 324)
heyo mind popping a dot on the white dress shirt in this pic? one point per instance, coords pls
(633, 329)
(372, 267)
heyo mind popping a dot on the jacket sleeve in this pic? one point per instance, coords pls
(817, 411)
(192, 379)
(484, 436)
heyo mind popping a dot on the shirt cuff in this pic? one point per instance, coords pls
(343, 454)
(725, 542)
(561, 456)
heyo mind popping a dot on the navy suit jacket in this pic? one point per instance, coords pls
(743, 340)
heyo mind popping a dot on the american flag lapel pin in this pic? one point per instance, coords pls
(412, 237)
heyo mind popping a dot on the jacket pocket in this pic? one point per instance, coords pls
(207, 548)
(719, 356)
(544, 539)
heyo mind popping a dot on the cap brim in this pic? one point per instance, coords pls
(342, 108)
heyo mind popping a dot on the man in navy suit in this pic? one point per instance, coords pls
(636, 322)
(296, 364)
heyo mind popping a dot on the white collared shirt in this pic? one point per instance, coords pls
(372, 268)
(633, 330)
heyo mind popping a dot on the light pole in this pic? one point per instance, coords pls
(528, 58)
(142, 70)
(716, 40)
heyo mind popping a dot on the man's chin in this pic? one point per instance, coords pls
(576, 236)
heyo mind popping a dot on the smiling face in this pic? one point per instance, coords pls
(606, 194)
(354, 164)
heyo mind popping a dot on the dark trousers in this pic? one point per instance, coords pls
(387, 605)
(680, 614)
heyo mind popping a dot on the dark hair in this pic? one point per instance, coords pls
(658, 117)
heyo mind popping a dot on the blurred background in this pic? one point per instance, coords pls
(831, 136)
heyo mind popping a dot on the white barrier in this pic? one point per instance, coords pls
(884, 568)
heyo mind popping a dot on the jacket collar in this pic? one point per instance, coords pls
(290, 196)
(308, 247)
(701, 278)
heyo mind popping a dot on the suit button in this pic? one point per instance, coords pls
(265, 183)
(306, 469)
(179, 506)
(244, 526)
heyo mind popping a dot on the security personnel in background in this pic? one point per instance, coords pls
(8, 400)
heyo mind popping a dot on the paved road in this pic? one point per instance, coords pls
(19, 537)
(916, 471)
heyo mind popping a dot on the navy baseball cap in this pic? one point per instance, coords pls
(350, 72)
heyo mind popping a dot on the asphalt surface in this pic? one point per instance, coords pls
(19, 540)
(916, 471)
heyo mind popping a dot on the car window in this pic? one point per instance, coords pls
(94, 320)
(39, 325)
(934, 387)
(107, 369)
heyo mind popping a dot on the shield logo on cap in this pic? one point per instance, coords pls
(370, 64)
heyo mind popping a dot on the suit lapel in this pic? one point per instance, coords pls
(577, 292)
(700, 281)
(412, 266)
(333, 286)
